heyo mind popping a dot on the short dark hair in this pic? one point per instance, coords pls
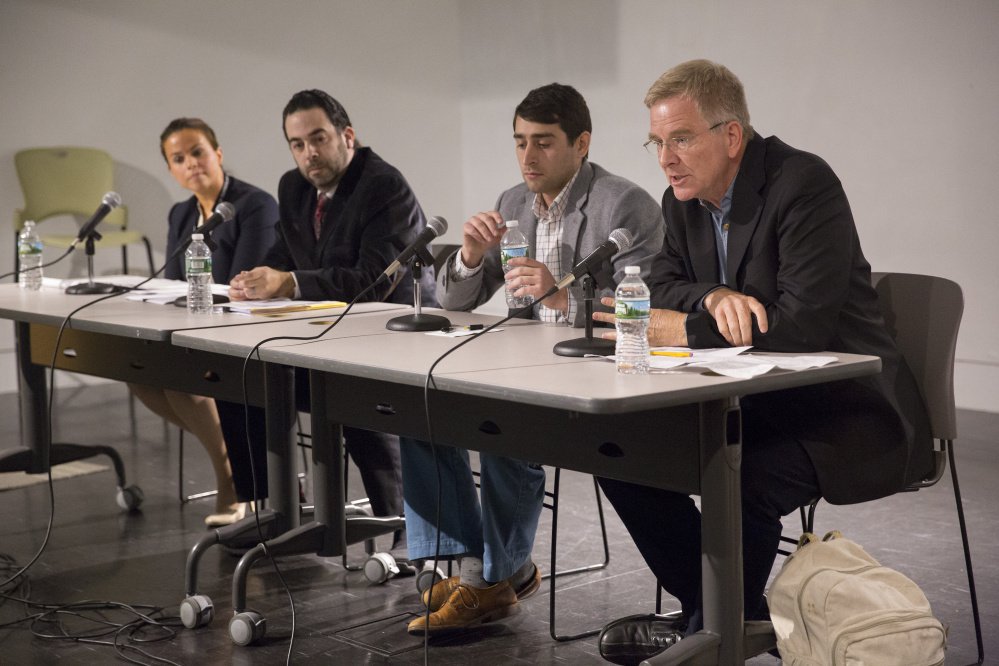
(178, 124)
(316, 99)
(556, 103)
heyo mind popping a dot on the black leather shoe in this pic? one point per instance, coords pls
(635, 638)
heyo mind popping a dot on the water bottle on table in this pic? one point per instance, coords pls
(29, 253)
(631, 308)
(513, 244)
(198, 261)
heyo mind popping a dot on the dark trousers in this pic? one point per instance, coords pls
(777, 477)
(375, 454)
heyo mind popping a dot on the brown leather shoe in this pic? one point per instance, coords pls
(468, 607)
(441, 590)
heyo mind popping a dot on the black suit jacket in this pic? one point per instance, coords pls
(373, 216)
(793, 245)
(240, 244)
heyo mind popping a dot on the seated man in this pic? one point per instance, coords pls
(761, 249)
(346, 215)
(566, 206)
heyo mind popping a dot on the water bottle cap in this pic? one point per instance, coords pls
(197, 237)
(632, 270)
(511, 224)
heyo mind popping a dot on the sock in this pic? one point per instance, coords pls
(522, 575)
(471, 572)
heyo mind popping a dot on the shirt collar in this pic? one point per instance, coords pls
(543, 212)
(726, 202)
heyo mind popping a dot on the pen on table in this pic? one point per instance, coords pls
(678, 354)
(469, 327)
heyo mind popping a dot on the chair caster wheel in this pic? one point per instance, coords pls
(130, 498)
(197, 611)
(428, 577)
(247, 628)
(379, 567)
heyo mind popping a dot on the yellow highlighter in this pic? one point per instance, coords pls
(676, 354)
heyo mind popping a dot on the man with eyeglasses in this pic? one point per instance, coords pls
(761, 249)
(566, 206)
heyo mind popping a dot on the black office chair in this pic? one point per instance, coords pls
(923, 315)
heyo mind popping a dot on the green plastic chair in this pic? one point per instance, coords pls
(71, 181)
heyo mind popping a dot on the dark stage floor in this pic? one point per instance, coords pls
(98, 552)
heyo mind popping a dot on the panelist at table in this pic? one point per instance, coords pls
(761, 249)
(566, 206)
(194, 158)
(345, 215)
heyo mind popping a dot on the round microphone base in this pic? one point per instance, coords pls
(93, 288)
(417, 322)
(584, 346)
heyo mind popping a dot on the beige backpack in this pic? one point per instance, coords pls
(832, 603)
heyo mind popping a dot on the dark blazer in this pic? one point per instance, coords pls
(373, 216)
(793, 245)
(239, 244)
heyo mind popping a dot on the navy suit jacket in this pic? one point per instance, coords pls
(240, 244)
(793, 245)
(371, 219)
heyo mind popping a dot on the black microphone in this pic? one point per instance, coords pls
(224, 212)
(110, 201)
(435, 227)
(619, 241)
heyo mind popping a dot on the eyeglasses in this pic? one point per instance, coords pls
(677, 144)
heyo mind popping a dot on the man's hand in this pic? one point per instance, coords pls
(261, 283)
(733, 313)
(479, 233)
(667, 328)
(531, 277)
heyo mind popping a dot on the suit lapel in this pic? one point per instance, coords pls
(701, 243)
(747, 205)
(574, 220)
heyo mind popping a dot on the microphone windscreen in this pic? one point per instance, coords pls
(226, 210)
(438, 224)
(112, 200)
(621, 238)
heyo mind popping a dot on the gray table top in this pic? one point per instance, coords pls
(514, 364)
(146, 321)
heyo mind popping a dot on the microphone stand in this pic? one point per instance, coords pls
(418, 321)
(91, 287)
(589, 344)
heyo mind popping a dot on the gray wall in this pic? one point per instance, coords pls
(898, 97)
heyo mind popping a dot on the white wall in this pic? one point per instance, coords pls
(898, 97)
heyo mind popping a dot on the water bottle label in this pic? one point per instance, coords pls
(199, 265)
(632, 309)
(508, 253)
(29, 248)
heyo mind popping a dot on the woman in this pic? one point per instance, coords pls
(194, 158)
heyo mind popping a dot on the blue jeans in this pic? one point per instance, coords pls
(500, 529)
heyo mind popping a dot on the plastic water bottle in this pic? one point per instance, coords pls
(29, 252)
(199, 276)
(631, 307)
(513, 244)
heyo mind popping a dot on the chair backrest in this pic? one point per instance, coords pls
(64, 181)
(923, 314)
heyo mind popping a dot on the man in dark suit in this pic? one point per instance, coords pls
(346, 214)
(761, 249)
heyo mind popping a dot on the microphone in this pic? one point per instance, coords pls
(619, 241)
(435, 227)
(224, 212)
(110, 201)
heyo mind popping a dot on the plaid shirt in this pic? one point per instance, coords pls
(549, 242)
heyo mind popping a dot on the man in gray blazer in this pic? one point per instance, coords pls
(566, 207)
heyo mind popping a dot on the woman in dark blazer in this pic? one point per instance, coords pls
(194, 158)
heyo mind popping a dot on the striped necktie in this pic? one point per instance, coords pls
(317, 220)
